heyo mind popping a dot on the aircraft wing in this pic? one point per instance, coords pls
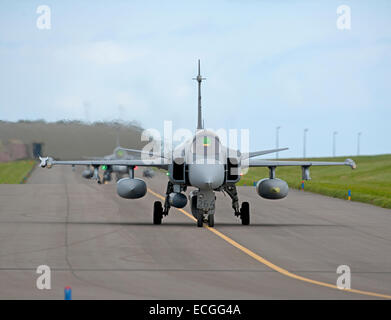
(93, 158)
(141, 152)
(276, 163)
(48, 162)
(262, 152)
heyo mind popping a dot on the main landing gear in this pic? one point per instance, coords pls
(158, 210)
(244, 211)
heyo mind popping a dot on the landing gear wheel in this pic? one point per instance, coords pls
(211, 220)
(157, 212)
(245, 213)
(200, 220)
(106, 179)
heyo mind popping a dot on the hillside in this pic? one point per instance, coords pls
(71, 139)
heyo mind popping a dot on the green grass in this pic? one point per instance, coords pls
(14, 172)
(369, 183)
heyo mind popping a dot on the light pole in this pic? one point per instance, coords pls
(304, 142)
(358, 143)
(277, 142)
(334, 141)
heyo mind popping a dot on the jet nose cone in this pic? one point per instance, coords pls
(206, 176)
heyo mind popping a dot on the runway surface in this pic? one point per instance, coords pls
(106, 247)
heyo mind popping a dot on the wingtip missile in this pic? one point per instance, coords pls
(45, 162)
(351, 163)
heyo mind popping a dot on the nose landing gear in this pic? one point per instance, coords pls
(202, 206)
(200, 220)
(210, 220)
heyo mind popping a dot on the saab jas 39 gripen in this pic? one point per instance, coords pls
(202, 162)
(119, 153)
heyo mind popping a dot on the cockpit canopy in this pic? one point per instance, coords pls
(119, 153)
(206, 145)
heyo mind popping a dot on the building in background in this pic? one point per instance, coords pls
(12, 150)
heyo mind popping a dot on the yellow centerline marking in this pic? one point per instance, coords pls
(271, 265)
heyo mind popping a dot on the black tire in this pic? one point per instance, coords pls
(245, 213)
(200, 220)
(211, 220)
(193, 206)
(157, 212)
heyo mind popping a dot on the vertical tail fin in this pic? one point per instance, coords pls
(199, 80)
(118, 144)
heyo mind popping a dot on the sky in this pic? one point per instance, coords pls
(267, 64)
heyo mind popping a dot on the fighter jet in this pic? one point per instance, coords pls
(119, 153)
(206, 165)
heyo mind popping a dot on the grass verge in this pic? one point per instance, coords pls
(369, 183)
(15, 171)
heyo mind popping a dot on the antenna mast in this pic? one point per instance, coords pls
(199, 80)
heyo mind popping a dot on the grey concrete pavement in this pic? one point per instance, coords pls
(106, 247)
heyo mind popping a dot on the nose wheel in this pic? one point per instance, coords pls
(211, 220)
(200, 220)
(245, 213)
(157, 212)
